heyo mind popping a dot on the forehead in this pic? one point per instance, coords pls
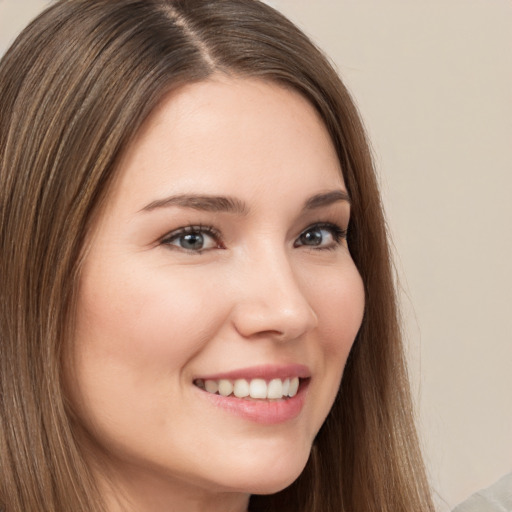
(230, 135)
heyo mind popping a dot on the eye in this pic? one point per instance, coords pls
(321, 236)
(194, 239)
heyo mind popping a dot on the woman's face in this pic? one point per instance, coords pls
(219, 261)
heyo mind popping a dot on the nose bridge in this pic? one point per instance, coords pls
(274, 302)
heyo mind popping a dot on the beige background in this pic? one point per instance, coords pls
(433, 81)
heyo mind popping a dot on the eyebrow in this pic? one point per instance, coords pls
(326, 199)
(206, 203)
(228, 204)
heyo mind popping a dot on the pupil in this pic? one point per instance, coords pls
(192, 241)
(312, 237)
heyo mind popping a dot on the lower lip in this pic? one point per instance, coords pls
(261, 411)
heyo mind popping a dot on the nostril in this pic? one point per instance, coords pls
(269, 319)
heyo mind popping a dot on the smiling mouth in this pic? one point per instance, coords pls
(256, 389)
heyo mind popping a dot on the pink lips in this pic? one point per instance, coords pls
(266, 372)
(265, 412)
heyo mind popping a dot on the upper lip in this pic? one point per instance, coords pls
(267, 372)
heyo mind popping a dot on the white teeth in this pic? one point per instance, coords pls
(275, 389)
(260, 389)
(241, 388)
(286, 387)
(225, 387)
(294, 386)
(211, 386)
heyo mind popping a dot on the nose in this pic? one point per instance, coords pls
(271, 302)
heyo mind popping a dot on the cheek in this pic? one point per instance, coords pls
(149, 317)
(340, 308)
(337, 296)
(136, 331)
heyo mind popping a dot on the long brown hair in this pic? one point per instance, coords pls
(74, 88)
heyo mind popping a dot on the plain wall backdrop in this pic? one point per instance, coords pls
(433, 81)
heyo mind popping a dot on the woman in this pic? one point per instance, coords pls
(181, 182)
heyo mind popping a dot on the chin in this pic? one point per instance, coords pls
(268, 475)
(274, 483)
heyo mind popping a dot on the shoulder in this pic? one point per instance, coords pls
(497, 498)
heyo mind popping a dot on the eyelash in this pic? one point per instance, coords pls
(194, 229)
(338, 234)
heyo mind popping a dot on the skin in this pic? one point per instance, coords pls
(154, 315)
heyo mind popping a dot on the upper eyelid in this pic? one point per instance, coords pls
(340, 232)
(192, 228)
(326, 225)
